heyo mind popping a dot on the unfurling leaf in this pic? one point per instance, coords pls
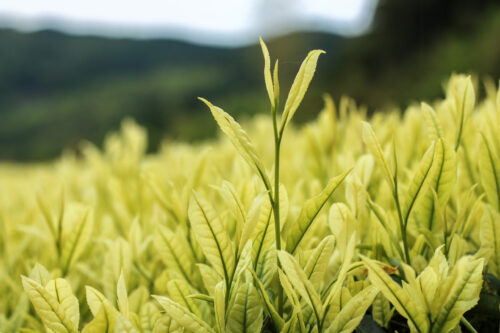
(300, 85)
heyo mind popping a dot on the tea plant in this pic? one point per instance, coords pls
(350, 223)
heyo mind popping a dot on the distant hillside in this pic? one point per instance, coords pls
(56, 89)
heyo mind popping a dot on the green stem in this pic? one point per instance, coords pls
(402, 223)
(276, 201)
(468, 325)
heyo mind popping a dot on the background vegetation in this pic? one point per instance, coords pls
(56, 89)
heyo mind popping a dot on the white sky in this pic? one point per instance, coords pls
(219, 21)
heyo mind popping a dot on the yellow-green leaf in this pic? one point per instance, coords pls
(267, 72)
(463, 93)
(290, 325)
(432, 122)
(309, 212)
(342, 223)
(489, 170)
(54, 315)
(237, 209)
(318, 261)
(263, 234)
(239, 139)
(276, 84)
(220, 306)
(458, 294)
(124, 325)
(300, 85)
(212, 236)
(251, 220)
(300, 282)
(96, 301)
(489, 235)
(61, 290)
(182, 316)
(404, 304)
(103, 322)
(381, 310)
(352, 313)
(371, 141)
(121, 293)
(79, 220)
(266, 268)
(336, 285)
(210, 277)
(40, 274)
(419, 183)
(428, 283)
(293, 298)
(271, 310)
(442, 179)
(178, 291)
(165, 324)
(245, 313)
(174, 250)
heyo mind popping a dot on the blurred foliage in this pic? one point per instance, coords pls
(56, 90)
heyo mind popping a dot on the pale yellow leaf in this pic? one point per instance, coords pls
(300, 85)
(309, 211)
(212, 236)
(183, 316)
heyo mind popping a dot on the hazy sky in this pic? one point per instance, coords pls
(206, 21)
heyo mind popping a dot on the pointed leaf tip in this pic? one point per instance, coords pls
(300, 85)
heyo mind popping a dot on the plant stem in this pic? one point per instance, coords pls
(276, 201)
(468, 325)
(402, 223)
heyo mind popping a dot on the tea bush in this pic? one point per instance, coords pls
(350, 223)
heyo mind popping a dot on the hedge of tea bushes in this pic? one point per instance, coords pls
(389, 222)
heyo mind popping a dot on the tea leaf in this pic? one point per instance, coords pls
(459, 294)
(239, 138)
(420, 181)
(351, 315)
(371, 141)
(318, 261)
(489, 170)
(174, 251)
(212, 236)
(267, 72)
(489, 235)
(182, 315)
(397, 296)
(300, 282)
(299, 86)
(442, 179)
(245, 314)
(309, 212)
(57, 314)
(432, 122)
(271, 310)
